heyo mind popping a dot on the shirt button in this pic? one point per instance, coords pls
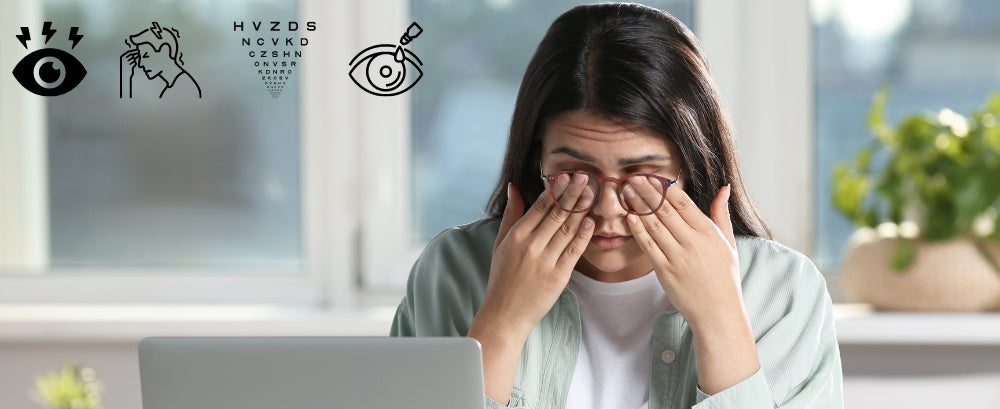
(668, 356)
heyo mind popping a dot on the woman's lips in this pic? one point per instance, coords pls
(608, 243)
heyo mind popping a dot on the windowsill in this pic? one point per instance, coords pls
(131, 323)
(859, 324)
(856, 323)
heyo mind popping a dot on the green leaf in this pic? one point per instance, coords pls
(864, 159)
(849, 190)
(991, 136)
(903, 256)
(993, 103)
(876, 115)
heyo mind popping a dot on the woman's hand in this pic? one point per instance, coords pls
(696, 261)
(535, 253)
(694, 256)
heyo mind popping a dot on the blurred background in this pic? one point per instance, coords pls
(241, 213)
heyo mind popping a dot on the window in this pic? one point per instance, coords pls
(461, 114)
(147, 182)
(932, 54)
(208, 199)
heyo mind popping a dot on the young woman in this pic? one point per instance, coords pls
(623, 264)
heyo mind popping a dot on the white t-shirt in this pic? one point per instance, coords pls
(615, 359)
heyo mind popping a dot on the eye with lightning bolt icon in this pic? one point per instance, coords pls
(49, 71)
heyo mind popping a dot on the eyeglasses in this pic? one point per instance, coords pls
(596, 184)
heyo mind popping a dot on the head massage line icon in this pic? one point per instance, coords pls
(156, 52)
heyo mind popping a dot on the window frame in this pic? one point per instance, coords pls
(328, 167)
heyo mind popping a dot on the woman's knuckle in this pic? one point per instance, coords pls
(534, 249)
(684, 203)
(566, 229)
(542, 203)
(516, 234)
(558, 215)
(655, 227)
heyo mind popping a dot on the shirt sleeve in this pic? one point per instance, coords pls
(798, 351)
(402, 323)
(752, 392)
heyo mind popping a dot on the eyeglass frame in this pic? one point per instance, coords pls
(619, 185)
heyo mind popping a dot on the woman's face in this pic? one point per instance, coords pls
(578, 140)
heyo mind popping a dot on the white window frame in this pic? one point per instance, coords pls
(760, 56)
(767, 90)
(328, 169)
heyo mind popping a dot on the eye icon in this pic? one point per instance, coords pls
(49, 71)
(386, 70)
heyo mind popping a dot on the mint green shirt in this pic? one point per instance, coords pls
(786, 300)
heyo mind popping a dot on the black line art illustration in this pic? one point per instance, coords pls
(386, 73)
(49, 71)
(156, 52)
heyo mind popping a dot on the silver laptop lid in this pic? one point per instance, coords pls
(310, 372)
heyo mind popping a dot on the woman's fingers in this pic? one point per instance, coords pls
(646, 242)
(652, 225)
(511, 214)
(568, 191)
(574, 250)
(530, 220)
(649, 195)
(690, 214)
(720, 214)
(564, 235)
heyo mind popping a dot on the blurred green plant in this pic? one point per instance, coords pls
(74, 387)
(937, 172)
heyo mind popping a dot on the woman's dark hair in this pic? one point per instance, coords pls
(629, 63)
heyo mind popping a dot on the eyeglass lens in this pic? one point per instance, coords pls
(638, 194)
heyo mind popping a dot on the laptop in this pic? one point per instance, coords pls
(310, 372)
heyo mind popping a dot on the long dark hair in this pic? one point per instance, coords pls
(640, 65)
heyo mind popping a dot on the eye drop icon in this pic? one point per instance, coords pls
(388, 69)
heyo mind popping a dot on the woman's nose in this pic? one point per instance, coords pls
(607, 205)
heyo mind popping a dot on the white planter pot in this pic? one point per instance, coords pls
(945, 276)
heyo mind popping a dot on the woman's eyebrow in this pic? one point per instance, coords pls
(621, 162)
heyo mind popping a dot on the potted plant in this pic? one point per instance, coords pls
(75, 387)
(925, 196)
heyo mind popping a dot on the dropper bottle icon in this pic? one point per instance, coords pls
(412, 32)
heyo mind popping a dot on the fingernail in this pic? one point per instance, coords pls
(561, 181)
(633, 218)
(588, 223)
